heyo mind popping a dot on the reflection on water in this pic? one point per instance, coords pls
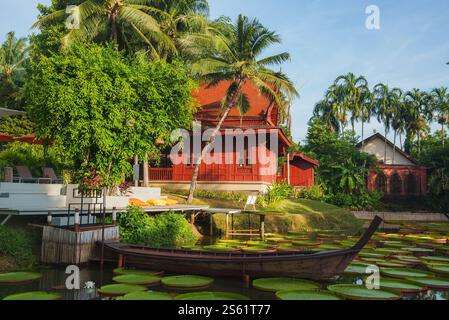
(53, 280)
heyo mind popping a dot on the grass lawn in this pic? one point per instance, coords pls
(300, 215)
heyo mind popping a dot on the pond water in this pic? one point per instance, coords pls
(399, 248)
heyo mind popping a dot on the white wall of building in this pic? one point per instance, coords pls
(377, 148)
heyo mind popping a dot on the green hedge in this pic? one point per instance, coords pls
(18, 244)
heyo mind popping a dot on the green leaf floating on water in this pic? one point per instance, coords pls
(258, 249)
(140, 296)
(439, 268)
(19, 277)
(434, 283)
(121, 271)
(141, 279)
(36, 295)
(187, 282)
(120, 289)
(404, 273)
(358, 292)
(435, 259)
(303, 295)
(278, 284)
(208, 296)
(220, 248)
(391, 264)
(357, 268)
(401, 285)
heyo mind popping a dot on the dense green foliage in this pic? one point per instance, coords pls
(436, 157)
(165, 230)
(18, 244)
(100, 108)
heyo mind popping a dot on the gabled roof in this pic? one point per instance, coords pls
(305, 158)
(210, 100)
(389, 143)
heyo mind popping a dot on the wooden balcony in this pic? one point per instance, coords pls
(161, 174)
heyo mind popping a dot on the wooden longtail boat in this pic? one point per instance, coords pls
(322, 265)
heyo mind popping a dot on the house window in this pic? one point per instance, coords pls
(381, 183)
(395, 184)
(410, 184)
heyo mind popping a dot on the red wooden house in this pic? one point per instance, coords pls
(252, 163)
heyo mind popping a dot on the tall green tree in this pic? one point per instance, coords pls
(231, 52)
(13, 60)
(101, 108)
(440, 105)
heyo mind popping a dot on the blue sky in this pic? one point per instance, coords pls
(327, 38)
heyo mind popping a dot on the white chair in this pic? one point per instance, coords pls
(251, 202)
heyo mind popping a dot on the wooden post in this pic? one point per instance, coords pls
(227, 227)
(114, 216)
(136, 165)
(247, 280)
(288, 169)
(211, 225)
(146, 173)
(120, 261)
(49, 218)
(262, 227)
(77, 221)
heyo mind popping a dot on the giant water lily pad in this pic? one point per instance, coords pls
(307, 243)
(115, 290)
(211, 296)
(141, 279)
(19, 277)
(358, 292)
(220, 248)
(278, 284)
(258, 249)
(357, 268)
(187, 282)
(138, 296)
(302, 295)
(391, 264)
(37, 295)
(439, 268)
(404, 273)
(434, 283)
(432, 259)
(401, 285)
(418, 250)
(121, 271)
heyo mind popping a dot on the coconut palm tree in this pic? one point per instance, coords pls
(384, 100)
(231, 52)
(396, 119)
(324, 111)
(440, 105)
(13, 55)
(111, 19)
(367, 109)
(353, 88)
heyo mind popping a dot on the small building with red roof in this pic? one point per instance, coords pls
(257, 156)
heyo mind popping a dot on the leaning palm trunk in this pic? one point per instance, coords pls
(394, 148)
(363, 133)
(196, 170)
(385, 150)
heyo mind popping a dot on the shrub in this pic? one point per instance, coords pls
(18, 244)
(277, 192)
(364, 201)
(165, 230)
(311, 193)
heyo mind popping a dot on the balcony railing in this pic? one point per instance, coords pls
(160, 174)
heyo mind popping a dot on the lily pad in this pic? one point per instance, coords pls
(307, 243)
(19, 277)
(187, 282)
(419, 250)
(36, 295)
(303, 295)
(401, 285)
(278, 284)
(358, 292)
(404, 273)
(391, 264)
(434, 283)
(140, 296)
(140, 279)
(115, 290)
(121, 271)
(357, 268)
(258, 249)
(208, 296)
(439, 268)
(220, 248)
(435, 259)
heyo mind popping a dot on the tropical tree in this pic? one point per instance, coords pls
(440, 105)
(397, 122)
(418, 113)
(105, 20)
(13, 59)
(384, 102)
(354, 90)
(231, 52)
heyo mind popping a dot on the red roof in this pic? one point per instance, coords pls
(210, 101)
(305, 158)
